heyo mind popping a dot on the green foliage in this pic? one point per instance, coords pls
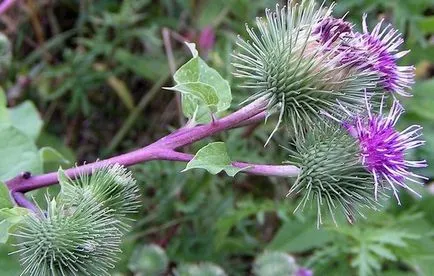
(21, 151)
(19, 127)
(204, 91)
(195, 216)
(9, 219)
(50, 155)
(10, 216)
(25, 117)
(148, 260)
(5, 52)
(385, 240)
(274, 263)
(203, 269)
(297, 235)
(214, 158)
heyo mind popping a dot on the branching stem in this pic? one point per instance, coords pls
(163, 149)
(5, 5)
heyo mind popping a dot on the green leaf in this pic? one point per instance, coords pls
(422, 102)
(5, 199)
(426, 24)
(144, 66)
(9, 217)
(3, 110)
(382, 251)
(3, 100)
(298, 236)
(234, 217)
(9, 263)
(25, 117)
(213, 158)
(21, 152)
(148, 260)
(203, 89)
(50, 155)
(46, 139)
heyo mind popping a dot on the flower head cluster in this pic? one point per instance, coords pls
(308, 63)
(295, 59)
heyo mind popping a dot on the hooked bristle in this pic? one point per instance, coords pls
(113, 186)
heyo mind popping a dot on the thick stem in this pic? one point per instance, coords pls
(157, 150)
(5, 5)
(22, 201)
(249, 168)
(186, 136)
(23, 184)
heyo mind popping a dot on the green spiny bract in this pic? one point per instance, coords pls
(274, 263)
(203, 269)
(332, 175)
(112, 185)
(148, 260)
(69, 240)
(299, 75)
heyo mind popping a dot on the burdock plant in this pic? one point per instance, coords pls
(326, 83)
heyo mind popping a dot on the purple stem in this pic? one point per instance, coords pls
(5, 5)
(186, 136)
(156, 151)
(256, 169)
(22, 184)
(22, 201)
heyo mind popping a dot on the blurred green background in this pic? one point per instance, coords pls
(94, 70)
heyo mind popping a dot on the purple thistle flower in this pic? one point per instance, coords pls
(378, 51)
(330, 29)
(302, 271)
(207, 39)
(383, 148)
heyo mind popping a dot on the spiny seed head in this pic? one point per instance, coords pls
(332, 176)
(274, 263)
(288, 61)
(66, 240)
(112, 185)
(203, 269)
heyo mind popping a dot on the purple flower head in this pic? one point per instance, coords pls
(378, 51)
(302, 271)
(330, 29)
(207, 39)
(383, 148)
